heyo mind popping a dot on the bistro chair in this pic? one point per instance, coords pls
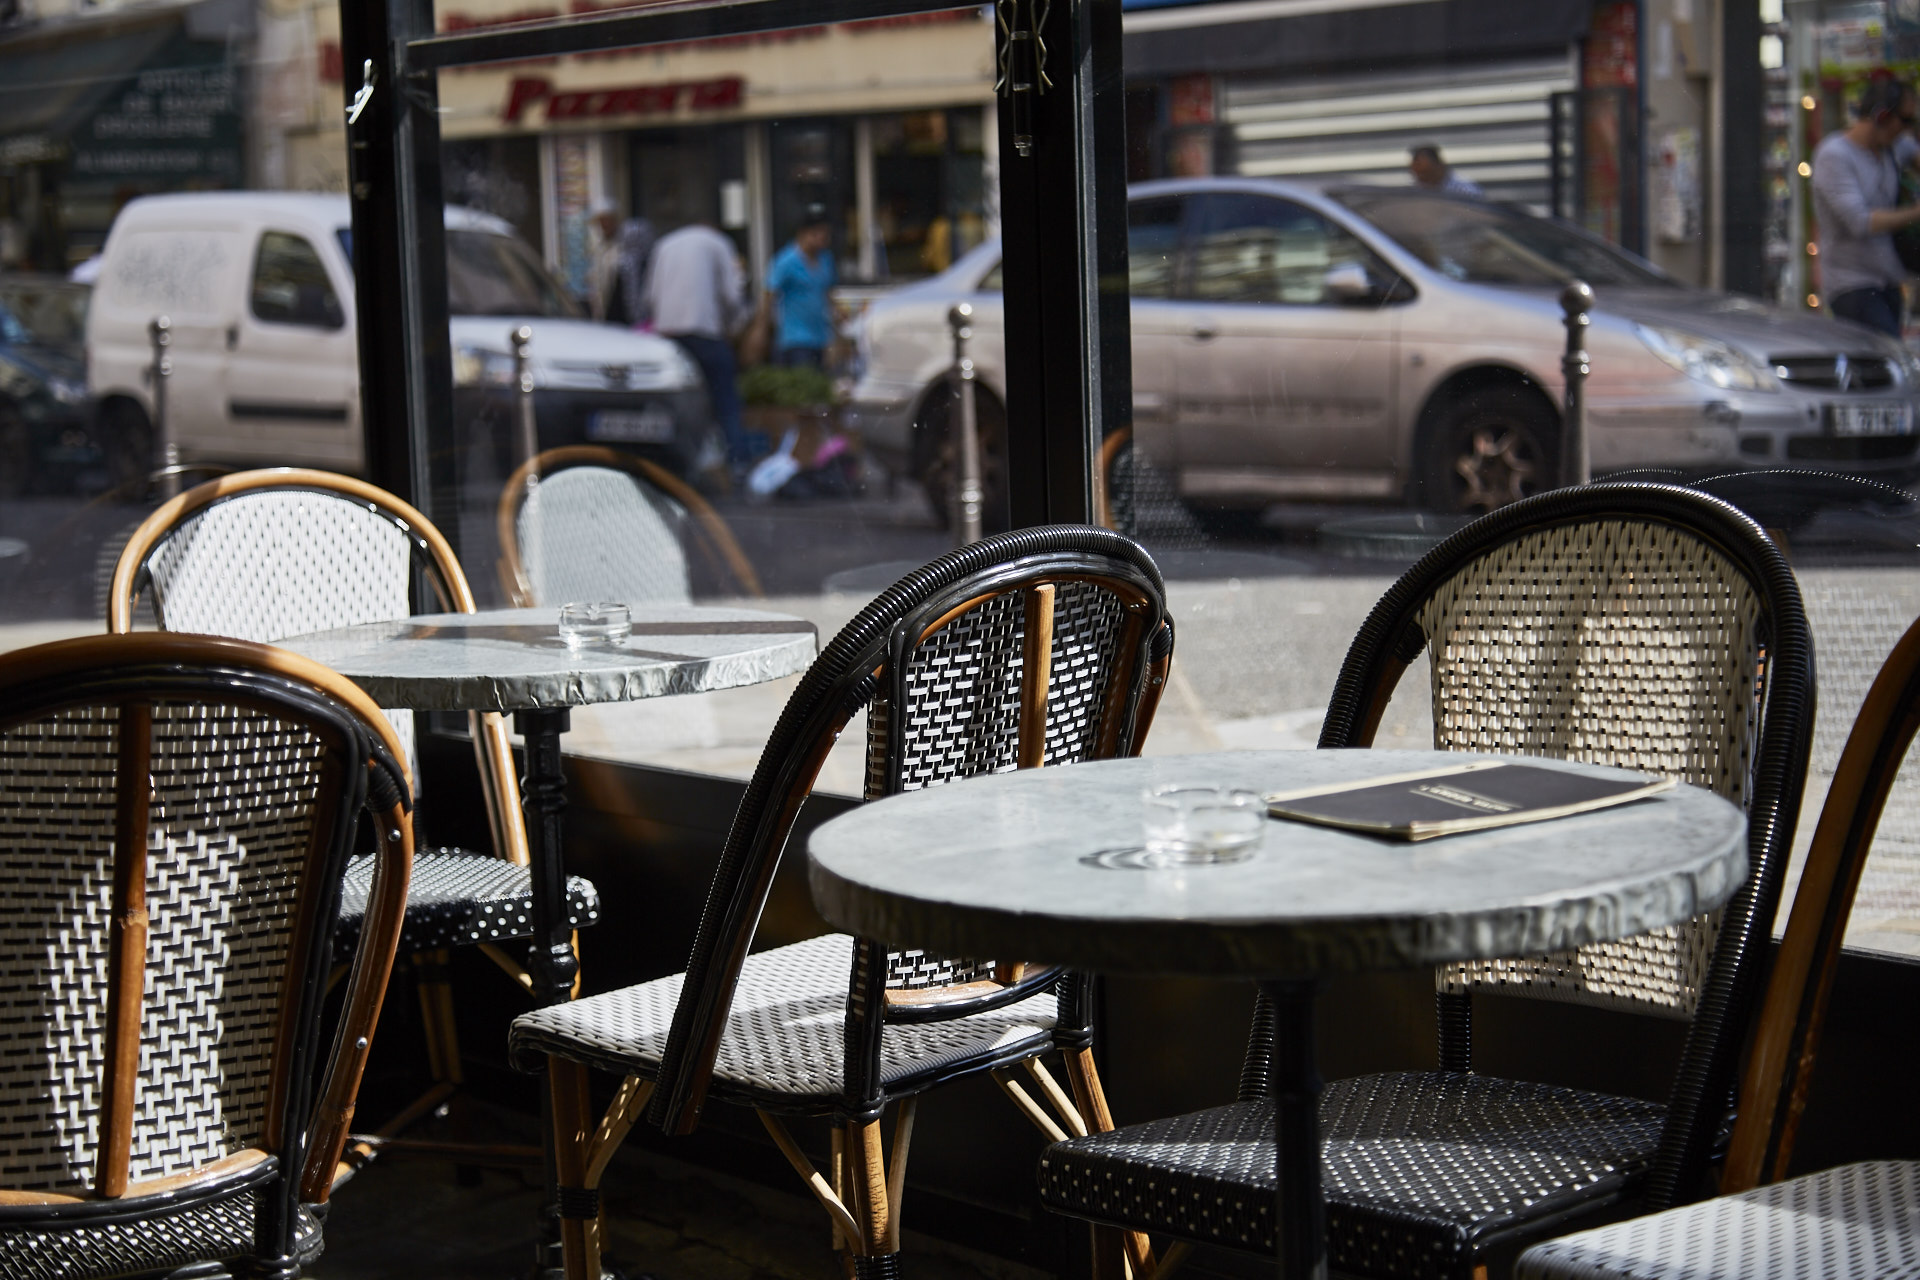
(585, 522)
(1627, 624)
(265, 555)
(1040, 646)
(176, 814)
(1859, 1220)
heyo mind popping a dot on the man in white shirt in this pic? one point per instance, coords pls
(1856, 193)
(696, 294)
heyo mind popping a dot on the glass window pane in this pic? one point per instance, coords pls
(742, 305)
(1153, 245)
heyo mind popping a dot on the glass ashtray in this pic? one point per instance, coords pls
(1193, 824)
(597, 622)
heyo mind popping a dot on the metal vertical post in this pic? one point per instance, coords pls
(527, 437)
(166, 456)
(970, 492)
(1576, 461)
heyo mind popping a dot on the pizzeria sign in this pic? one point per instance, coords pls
(527, 93)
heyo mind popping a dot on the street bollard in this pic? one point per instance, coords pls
(529, 435)
(1576, 460)
(971, 496)
(166, 451)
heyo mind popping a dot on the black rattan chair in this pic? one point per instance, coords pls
(1040, 646)
(176, 814)
(1629, 624)
(265, 555)
(1856, 1222)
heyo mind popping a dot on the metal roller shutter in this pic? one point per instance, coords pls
(1491, 122)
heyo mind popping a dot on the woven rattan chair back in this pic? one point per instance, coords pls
(1044, 645)
(265, 555)
(177, 813)
(1623, 642)
(586, 522)
(1640, 625)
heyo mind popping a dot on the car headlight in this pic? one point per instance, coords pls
(1909, 368)
(479, 367)
(67, 391)
(1708, 360)
(682, 373)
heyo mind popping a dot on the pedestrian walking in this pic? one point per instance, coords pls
(801, 281)
(696, 294)
(1435, 174)
(617, 280)
(1856, 194)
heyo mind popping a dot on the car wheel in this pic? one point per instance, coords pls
(937, 446)
(127, 439)
(1493, 447)
(16, 453)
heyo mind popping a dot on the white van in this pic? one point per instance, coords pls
(258, 288)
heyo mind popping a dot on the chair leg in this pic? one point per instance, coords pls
(436, 1015)
(869, 1187)
(1134, 1253)
(573, 1131)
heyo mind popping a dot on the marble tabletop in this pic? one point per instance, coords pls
(1034, 864)
(515, 660)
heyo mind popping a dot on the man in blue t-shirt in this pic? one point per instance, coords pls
(800, 280)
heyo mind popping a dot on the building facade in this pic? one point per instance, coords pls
(884, 124)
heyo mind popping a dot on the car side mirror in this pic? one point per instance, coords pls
(1348, 282)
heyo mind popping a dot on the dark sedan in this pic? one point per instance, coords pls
(46, 438)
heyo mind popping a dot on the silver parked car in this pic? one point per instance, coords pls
(1370, 343)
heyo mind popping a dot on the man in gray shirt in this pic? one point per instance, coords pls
(696, 294)
(1856, 187)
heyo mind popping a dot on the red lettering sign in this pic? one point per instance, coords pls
(627, 100)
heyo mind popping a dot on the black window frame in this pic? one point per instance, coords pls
(1062, 201)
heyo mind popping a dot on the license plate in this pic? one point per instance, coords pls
(1870, 419)
(651, 425)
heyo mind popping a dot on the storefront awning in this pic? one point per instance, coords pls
(52, 77)
(1165, 39)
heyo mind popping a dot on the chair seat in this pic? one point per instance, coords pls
(1419, 1168)
(1857, 1222)
(456, 898)
(782, 1047)
(213, 1232)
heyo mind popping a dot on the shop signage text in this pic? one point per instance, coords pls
(622, 100)
(176, 119)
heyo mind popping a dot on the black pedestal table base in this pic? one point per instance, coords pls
(1300, 1227)
(550, 959)
(543, 797)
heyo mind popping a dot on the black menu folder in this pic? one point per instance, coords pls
(1472, 797)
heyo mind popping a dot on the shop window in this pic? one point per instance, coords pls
(290, 284)
(929, 190)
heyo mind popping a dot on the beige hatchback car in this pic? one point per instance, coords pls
(1385, 344)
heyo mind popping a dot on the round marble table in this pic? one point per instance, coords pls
(1037, 864)
(514, 660)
